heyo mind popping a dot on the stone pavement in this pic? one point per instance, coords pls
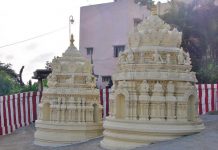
(22, 139)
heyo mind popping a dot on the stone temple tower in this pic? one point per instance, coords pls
(70, 111)
(153, 97)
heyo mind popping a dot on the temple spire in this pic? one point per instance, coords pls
(71, 21)
(72, 40)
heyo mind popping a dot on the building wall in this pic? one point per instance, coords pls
(104, 25)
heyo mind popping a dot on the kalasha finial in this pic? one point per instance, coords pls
(72, 40)
(71, 21)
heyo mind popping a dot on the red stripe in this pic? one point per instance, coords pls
(212, 98)
(107, 101)
(217, 96)
(5, 117)
(14, 108)
(28, 105)
(101, 101)
(206, 98)
(24, 108)
(101, 96)
(9, 113)
(0, 119)
(19, 111)
(199, 98)
(34, 106)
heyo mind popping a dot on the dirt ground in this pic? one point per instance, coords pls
(22, 139)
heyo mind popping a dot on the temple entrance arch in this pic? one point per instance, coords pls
(191, 108)
(120, 106)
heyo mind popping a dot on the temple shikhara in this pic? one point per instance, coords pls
(153, 97)
(70, 111)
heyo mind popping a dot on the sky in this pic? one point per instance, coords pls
(46, 21)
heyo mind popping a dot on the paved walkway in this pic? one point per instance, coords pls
(22, 139)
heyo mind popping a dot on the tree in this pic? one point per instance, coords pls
(10, 82)
(199, 23)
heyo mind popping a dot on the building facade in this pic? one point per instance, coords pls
(104, 30)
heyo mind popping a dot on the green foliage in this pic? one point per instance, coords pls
(199, 24)
(45, 82)
(9, 83)
(6, 83)
(208, 74)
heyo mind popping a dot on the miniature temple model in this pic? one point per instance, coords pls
(70, 111)
(153, 97)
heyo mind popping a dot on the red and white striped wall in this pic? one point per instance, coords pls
(18, 110)
(208, 98)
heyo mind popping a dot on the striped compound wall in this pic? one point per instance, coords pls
(21, 109)
(208, 98)
(18, 110)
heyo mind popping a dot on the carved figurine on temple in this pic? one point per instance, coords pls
(158, 88)
(130, 57)
(187, 59)
(168, 59)
(157, 57)
(144, 87)
(122, 58)
(181, 57)
(170, 87)
(52, 80)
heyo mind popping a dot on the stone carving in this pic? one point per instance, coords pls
(157, 57)
(134, 39)
(154, 32)
(144, 86)
(170, 88)
(144, 100)
(130, 57)
(158, 89)
(187, 59)
(181, 57)
(52, 80)
(154, 93)
(122, 58)
(70, 110)
(168, 59)
(122, 84)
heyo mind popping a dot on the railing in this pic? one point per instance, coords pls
(208, 98)
(18, 110)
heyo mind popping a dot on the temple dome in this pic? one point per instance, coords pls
(154, 32)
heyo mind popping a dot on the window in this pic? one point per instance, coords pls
(106, 78)
(89, 50)
(118, 49)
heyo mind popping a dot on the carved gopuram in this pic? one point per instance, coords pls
(153, 97)
(70, 111)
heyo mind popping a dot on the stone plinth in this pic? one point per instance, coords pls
(70, 111)
(153, 98)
